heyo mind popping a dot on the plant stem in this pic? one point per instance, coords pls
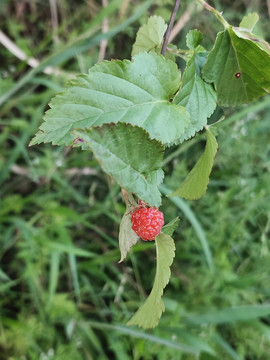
(217, 14)
(129, 199)
(169, 28)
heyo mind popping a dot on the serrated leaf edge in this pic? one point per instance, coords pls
(158, 299)
(176, 192)
(143, 177)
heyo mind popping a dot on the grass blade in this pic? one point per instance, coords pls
(75, 278)
(142, 335)
(230, 315)
(54, 274)
(226, 347)
(183, 206)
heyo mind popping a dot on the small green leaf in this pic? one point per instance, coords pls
(127, 237)
(127, 154)
(149, 35)
(170, 227)
(249, 21)
(195, 184)
(138, 92)
(194, 39)
(197, 96)
(150, 312)
(239, 67)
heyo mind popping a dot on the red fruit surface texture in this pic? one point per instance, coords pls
(147, 223)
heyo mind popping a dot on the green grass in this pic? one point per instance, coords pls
(63, 293)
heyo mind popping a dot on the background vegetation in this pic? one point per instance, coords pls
(63, 293)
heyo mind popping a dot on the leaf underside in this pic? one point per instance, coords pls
(195, 184)
(126, 153)
(127, 237)
(150, 312)
(136, 92)
(239, 67)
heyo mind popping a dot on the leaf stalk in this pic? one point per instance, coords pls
(214, 11)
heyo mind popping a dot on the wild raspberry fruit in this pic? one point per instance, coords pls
(147, 223)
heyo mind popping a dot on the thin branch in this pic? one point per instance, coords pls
(169, 28)
(181, 22)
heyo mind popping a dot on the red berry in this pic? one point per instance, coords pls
(147, 223)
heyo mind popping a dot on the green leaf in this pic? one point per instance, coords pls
(127, 236)
(247, 35)
(150, 312)
(127, 154)
(170, 227)
(239, 67)
(197, 96)
(150, 35)
(195, 184)
(194, 39)
(137, 92)
(249, 21)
